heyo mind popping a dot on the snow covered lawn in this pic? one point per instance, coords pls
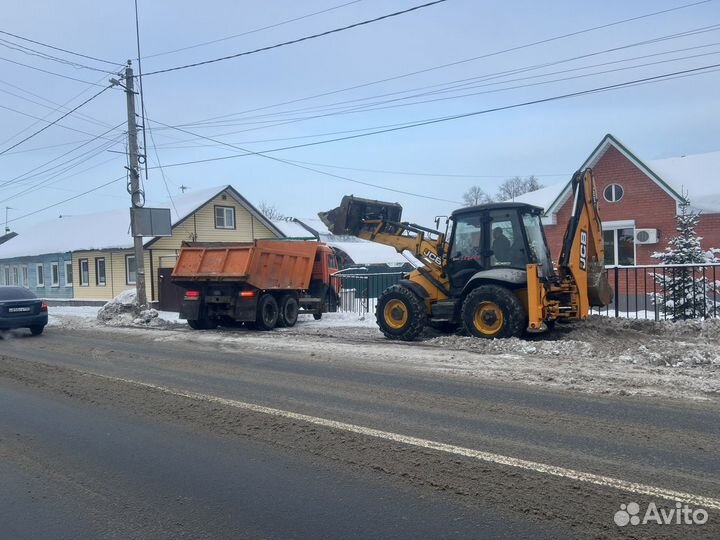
(603, 355)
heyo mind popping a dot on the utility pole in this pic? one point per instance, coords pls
(136, 198)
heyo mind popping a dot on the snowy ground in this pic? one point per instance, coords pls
(602, 355)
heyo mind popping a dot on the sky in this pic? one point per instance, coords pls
(262, 98)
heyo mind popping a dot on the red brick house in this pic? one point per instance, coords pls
(638, 201)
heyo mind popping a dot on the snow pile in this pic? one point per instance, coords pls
(123, 310)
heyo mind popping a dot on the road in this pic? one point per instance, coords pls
(132, 435)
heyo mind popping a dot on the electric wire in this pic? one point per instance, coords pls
(56, 120)
(275, 25)
(60, 49)
(298, 40)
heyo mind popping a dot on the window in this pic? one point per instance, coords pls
(25, 280)
(613, 193)
(68, 273)
(84, 273)
(15, 275)
(224, 217)
(130, 270)
(468, 238)
(6, 275)
(40, 275)
(619, 247)
(55, 274)
(506, 240)
(100, 271)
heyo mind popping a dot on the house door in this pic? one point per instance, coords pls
(171, 296)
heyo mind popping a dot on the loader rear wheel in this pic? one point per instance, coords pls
(400, 313)
(267, 313)
(289, 308)
(492, 311)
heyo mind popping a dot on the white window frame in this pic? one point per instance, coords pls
(615, 226)
(54, 273)
(16, 275)
(97, 273)
(227, 211)
(127, 270)
(84, 276)
(68, 282)
(40, 273)
(24, 275)
(614, 192)
(5, 275)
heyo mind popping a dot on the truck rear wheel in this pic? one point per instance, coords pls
(492, 311)
(400, 313)
(267, 313)
(289, 308)
(202, 324)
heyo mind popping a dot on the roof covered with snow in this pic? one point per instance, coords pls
(292, 228)
(693, 177)
(100, 230)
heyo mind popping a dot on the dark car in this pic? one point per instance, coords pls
(21, 308)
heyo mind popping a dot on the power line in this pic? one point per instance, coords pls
(471, 59)
(34, 52)
(325, 173)
(60, 49)
(96, 188)
(299, 40)
(431, 121)
(56, 120)
(275, 25)
(140, 83)
(49, 72)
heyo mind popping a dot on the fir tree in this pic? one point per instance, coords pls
(685, 292)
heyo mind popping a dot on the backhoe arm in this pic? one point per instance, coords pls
(583, 253)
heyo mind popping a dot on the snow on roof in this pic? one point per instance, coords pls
(366, 252)
(543, 197)
(292, 229)
(100, 230)
(693, 176)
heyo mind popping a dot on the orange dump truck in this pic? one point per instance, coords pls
(265, 283)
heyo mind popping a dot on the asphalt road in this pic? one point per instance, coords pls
(91, 446)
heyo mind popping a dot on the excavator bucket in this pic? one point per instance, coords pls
(599, 291)
(351, 216)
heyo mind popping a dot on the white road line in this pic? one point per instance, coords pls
(570, 474)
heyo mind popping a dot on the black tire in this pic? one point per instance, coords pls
(400, 313)
(37, 330)
(492, 311)
(289, 308)
(267, 313)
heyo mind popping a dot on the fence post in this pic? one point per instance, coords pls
(617, 290)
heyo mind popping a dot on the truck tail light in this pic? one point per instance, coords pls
(192, 295)
(247, 294)
(44, 306)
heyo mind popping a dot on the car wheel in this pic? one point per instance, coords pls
(37, 330)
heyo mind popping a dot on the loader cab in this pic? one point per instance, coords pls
(496, 236)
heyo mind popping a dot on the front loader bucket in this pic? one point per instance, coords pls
(353, 212)
(599, 291)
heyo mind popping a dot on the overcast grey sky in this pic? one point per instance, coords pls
(549, 140)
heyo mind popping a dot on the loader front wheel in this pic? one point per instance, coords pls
(491, 311)
(400, 313)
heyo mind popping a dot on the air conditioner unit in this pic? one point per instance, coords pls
(646, 236)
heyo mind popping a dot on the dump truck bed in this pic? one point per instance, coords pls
(263, 264)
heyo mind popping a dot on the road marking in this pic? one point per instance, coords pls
(707, 503)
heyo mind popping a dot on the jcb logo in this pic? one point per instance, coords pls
(432, 257)
(583, 250)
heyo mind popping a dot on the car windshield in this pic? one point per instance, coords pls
(16, 293)
(536, 240)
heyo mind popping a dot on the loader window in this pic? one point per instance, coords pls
(536, 241)
(506, 240)
(467, 243)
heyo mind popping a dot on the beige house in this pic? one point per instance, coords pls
(100, 245)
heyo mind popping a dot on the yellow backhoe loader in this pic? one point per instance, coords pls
(493, 275)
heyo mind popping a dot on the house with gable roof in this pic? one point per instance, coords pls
(91, 257)
(638, 201)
